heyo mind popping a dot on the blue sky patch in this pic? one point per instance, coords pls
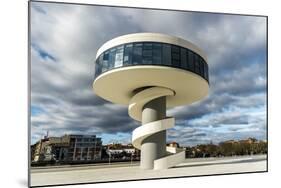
(42, 53)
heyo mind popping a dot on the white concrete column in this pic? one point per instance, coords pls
(154, 146)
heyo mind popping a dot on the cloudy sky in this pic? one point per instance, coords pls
(64, 42)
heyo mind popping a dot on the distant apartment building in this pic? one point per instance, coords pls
(67, 148)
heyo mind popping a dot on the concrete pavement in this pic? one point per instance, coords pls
(125, 171)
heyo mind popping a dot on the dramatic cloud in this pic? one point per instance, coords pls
(64, 42)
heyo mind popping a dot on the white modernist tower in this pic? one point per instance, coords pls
(150, 72)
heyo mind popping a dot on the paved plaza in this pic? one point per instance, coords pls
(131, 171)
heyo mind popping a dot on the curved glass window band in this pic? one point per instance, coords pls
(151, 53)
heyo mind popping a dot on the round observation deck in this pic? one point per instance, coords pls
(129, 63)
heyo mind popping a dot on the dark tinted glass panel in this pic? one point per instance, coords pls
(175, 49)
(137, 53)
(100, 64)
(166, 54)
(147, 60)
(183, 58)
(175, 56)
(196, 63)
(147, 53)
(119, 56)
(97, 68)
(205, 70)
(103, 65)
(106, 56)
(190, 60)
(187, 60)
(128, 54)
(201, 66)
(105, 61)
(157, 53)
(147, 46)
(176, 62)
(112, 57)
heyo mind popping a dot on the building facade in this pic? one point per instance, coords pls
(67, 148)
(84, 147)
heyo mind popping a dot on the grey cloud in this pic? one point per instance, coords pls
(72, 34)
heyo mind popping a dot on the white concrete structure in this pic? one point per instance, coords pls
(149, 72)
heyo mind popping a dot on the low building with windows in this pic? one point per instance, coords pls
(84, 147)
(68, 148)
